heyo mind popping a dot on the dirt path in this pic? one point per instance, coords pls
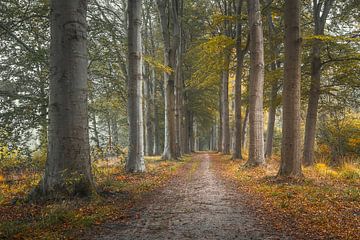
(197, 205)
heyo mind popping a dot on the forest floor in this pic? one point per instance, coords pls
(214, 197)
(203, 196)
(198, 204)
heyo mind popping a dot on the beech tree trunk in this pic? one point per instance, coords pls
(290, 143)
(149, 111)
(321, 11)
(170, 47)
(275, 64)
(135, 161)
(225, 146)
(68, 168)
(239, 67)
(256, 115)
(244, 127)
(220, 125)
(271, 120)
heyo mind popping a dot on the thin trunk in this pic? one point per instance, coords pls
(220, 126)
(290, 143)
(68, 168)
(191, 133)
(187, 133)
(321, 11)
(225, 146)
(157, 150)
(239, 67)
(135, 161)
(95, 129)
(149, 111)
(244, 127)
(274, 86)
(166, 12)
(271, 120)
(256, 118)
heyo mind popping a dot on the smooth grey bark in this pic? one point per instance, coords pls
(321, 11)
(244, 127)
(186, 134)
(157, 150)
(256, 115)
(68, 168)
(240, 54)
(225, 138)
(220, 125)
(225, 146)
(177, 12)
(135, 160)
(290, 144)
(170, 48)
(149, 111)
(271, 120)
(191, 132)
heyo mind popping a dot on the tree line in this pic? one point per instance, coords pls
(172, 77)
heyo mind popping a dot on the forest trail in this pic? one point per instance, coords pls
(196, 205)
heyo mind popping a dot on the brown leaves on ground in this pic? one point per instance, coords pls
(118, 191)
(323, 205)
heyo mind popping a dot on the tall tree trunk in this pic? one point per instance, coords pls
(239, 67)
(96, 132)
(149, 111)
(177, 35)
(220, 125)
(170, 47)
(186, 133)
(68, 168)
(135, 161)
(321, 11)
(191, 133)
(157, 150)
(290, 143)
(244, 127)
(256, 115)
(274, 86)
(271, 120)
(225, 106)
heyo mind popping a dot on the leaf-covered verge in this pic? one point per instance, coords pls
(325, 204)
(68, 219)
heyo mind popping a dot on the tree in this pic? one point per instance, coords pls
(290, 143)
(240, 54)
(321, 10)
(166, 12)
(68, 168)
(256, 146)
(135, 161)
(225, 145)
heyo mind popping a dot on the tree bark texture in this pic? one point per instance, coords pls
(135, 161)
(290, 144)
(239, 67)
(68, 168)
(256, 115)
